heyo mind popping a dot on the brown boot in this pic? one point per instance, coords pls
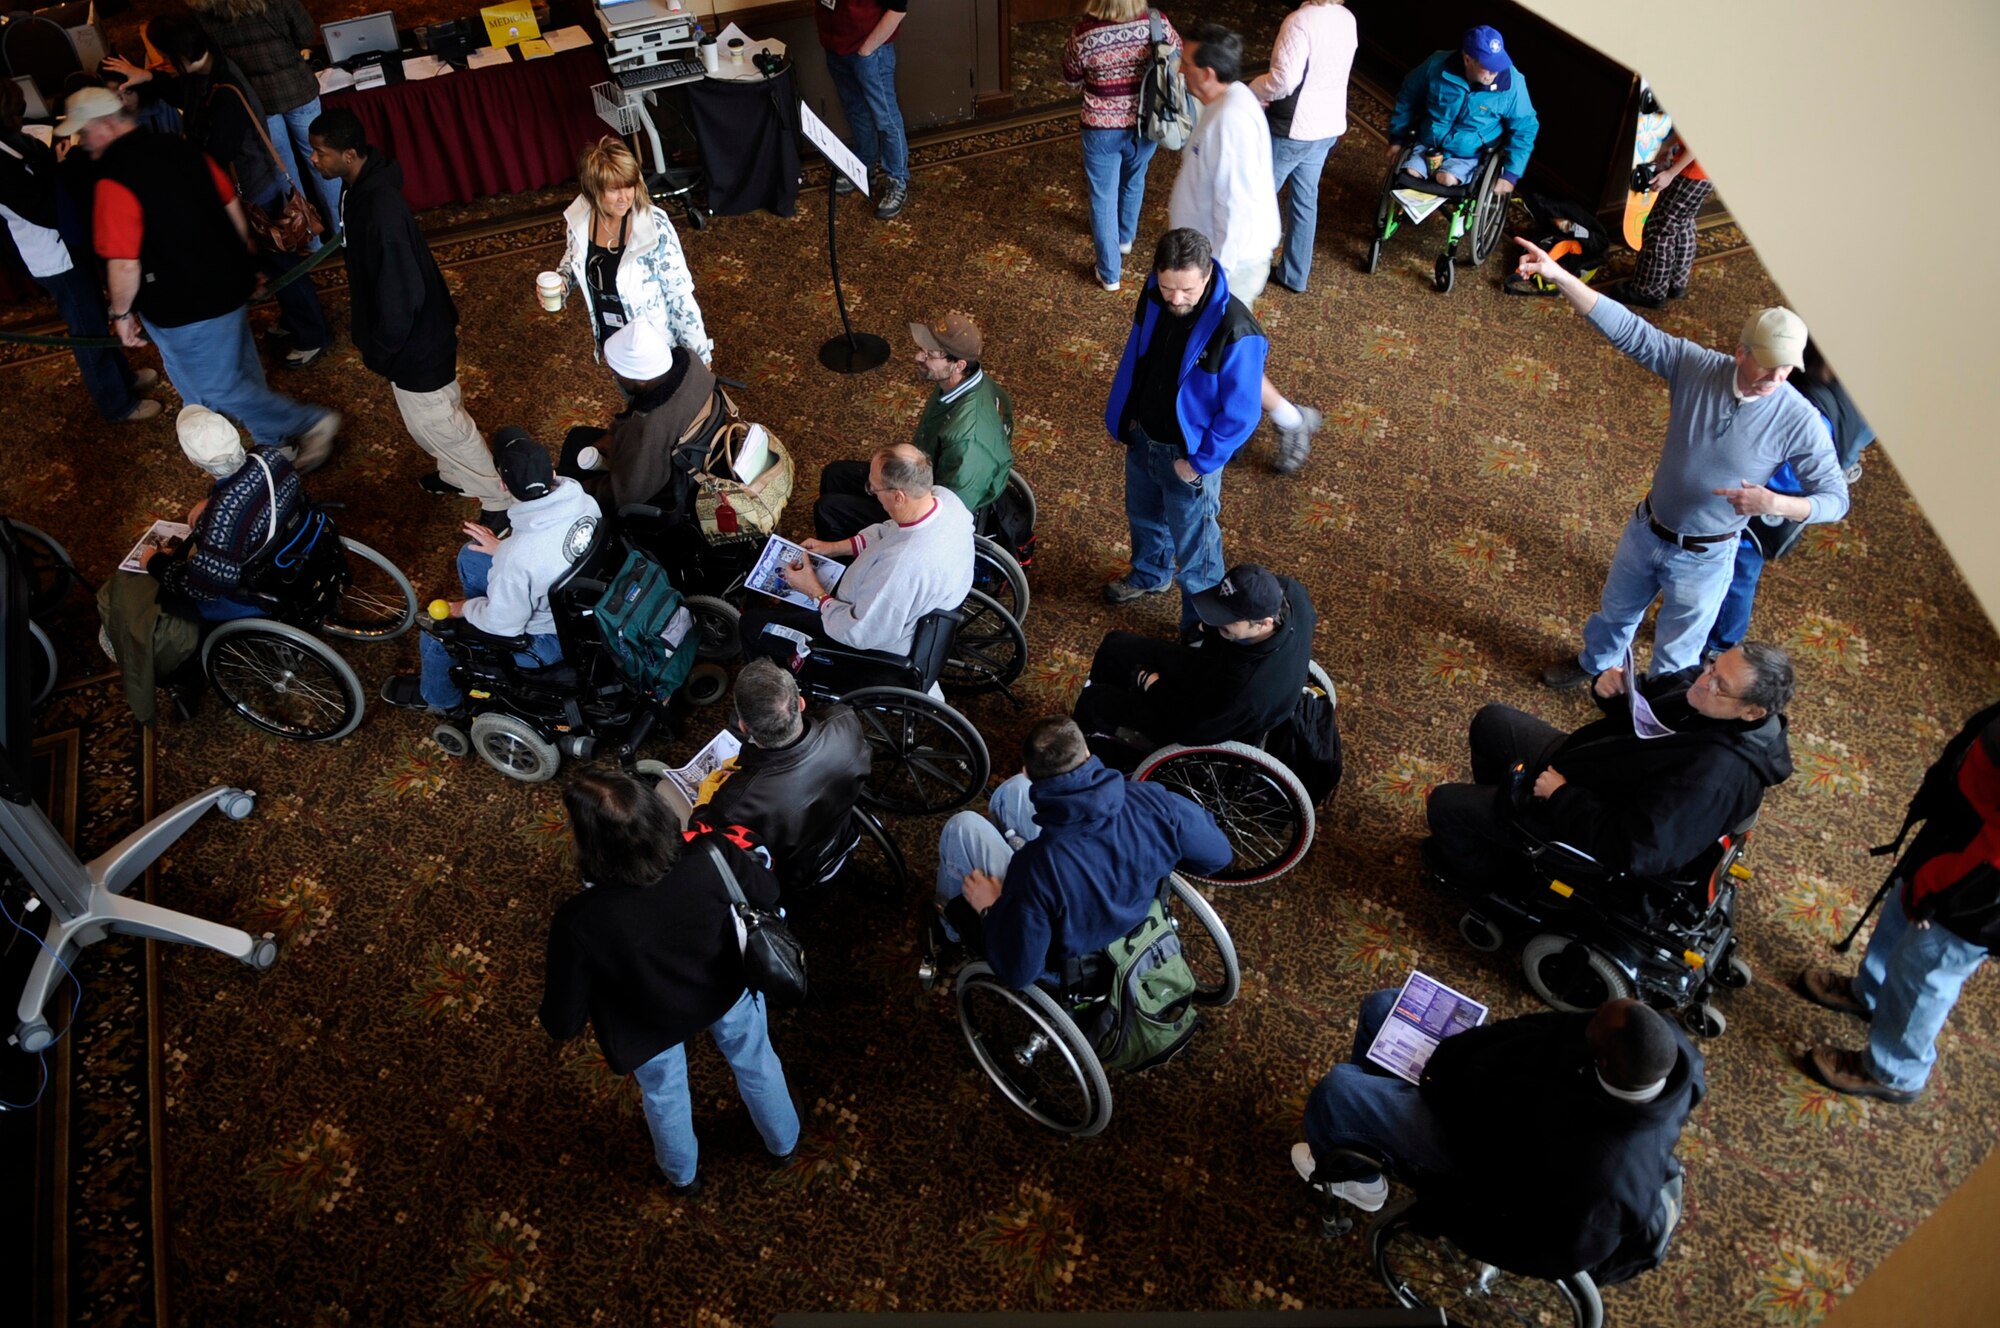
(1834, 991)
(1846, 1072)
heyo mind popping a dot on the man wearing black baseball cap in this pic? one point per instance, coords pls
(1236, 674)
(507, 584)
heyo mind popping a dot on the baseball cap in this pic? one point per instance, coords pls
(1485, 45)
(1246, 594)
(85, 105)
(638, 352)
(209, 440)
(1776, 336)
(955, 335)
(523, 464)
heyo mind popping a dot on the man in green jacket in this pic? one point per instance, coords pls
(967, 431)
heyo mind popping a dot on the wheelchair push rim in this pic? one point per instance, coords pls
(1206, 945)
(1034, 1053)
(989, 649)
(283, 680)
(1261, 806)
(996, 572)
(1431, 1273)
(377, 604)
(927, 757)
(50, 571)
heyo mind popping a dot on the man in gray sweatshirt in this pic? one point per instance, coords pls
(1730, 426)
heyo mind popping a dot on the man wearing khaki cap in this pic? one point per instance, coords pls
(1729, 428)
(967, 431)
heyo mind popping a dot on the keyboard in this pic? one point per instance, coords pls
(659, 75)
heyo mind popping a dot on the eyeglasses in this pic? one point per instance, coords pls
(1709, 670)
(874, 492)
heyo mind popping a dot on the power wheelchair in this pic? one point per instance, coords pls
(1474, 213)
(1031, 1043)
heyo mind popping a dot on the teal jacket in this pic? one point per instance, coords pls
(1440, 110)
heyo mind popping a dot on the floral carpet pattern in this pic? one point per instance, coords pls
(376, 1131)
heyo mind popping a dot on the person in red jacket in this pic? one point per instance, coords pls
(860, 41)
(1940, 919)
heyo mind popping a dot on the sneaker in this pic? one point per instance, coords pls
(687, 1191)
(299, 357)
(1368, 1196)
(1295, 445)
(1852, 473)
(142, 411)
(435, 484)
(1677, 292)
(842, 186)
(1112, 286)
(405, 691)
(1846, 1072)
(315, 445)
(895, 193)
(496, 522)
(1831, 991)
(1124, 591)
(1566, 675)
(145, 380)
(1125, 249)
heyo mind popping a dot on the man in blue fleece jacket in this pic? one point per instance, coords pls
(1456, 105)
(1071, 874)
(1189, 393)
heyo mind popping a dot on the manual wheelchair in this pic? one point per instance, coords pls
(1597, 934)
(1475, 214)
(1031, 1043)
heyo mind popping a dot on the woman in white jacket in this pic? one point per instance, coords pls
(623, 254)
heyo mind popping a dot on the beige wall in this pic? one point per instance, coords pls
(1855, 142)
(1944, 1275)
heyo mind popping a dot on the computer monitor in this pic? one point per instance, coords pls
(353, 37)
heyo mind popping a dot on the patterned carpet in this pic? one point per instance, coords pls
(376, 1131)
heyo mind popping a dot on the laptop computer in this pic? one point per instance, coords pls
(352, 38)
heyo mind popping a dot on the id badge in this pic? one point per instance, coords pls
(613, 320)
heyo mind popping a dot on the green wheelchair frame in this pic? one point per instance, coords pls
(1474, 211)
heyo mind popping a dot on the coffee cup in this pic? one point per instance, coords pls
(735, 50)
(711, 58)
(551, 289)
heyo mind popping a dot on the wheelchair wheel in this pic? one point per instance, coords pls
(1033, 1052)
(1374, 260)
(512, 747)
(1317, 677)
(42, 663)
(1442, 273)
(872, 864)
(378, 603)
(989, 649)
(283, 680)
(718, 620)
(1423, 1272)
(996, 574)
(50, 571)
(1569, 975)
(1489, 215)
(928, 757)
(707, 684)
(1260, 805)
(1018, 485)
(1205, 943)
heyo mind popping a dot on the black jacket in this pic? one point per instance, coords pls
(1550, 1174)
(221, 114)
(798, 798)
(405, 324)
(1653, 805)
(651, 967)
(1230, 692)
(1951, 873)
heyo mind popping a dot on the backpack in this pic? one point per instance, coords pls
(1309, 743)
(648, 632)
(1151, 1012)
(1166, 111)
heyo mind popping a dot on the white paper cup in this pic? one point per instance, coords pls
(736, 50)
(711, 58)
(551, 289)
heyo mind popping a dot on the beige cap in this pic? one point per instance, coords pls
(209, 440)
(85, 105)
(955, 335)
(1776, 336)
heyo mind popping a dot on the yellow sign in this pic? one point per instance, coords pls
(507, 25)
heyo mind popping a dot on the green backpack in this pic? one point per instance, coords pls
(1151, 1013)
(646, 628)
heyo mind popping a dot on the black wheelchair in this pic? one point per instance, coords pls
(1259, 803)
(1475, 215)
(1003, 546)
(1031, 1043)
(1596, 934)
(50, 574)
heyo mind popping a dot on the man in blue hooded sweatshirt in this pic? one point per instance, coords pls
(1065, 877)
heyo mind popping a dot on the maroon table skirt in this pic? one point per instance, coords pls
(474, 132)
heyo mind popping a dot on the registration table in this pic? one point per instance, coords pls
(472, 132)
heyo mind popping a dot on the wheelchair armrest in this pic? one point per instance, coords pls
(1558, 856)
(644, 511)
(458, 631)
(830, 652)
(1421, 185)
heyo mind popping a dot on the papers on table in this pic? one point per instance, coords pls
(488, 55)
(160, 535)
(534, 48)
(766, 578)
(1427, 1012)
(419, 67)
(1644, 722)
(333, 79)
(564, 39)
(691, 781)
(837, 152)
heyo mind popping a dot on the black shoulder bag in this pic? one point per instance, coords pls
(1281, 111)
(774, 963)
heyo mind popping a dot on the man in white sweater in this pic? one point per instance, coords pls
(916, 562)
(1226, 191)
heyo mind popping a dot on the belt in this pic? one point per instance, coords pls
(1694, 542)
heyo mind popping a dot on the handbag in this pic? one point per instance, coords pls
(1281, 111)
(774, 963)
(726, 505)
(296, 224)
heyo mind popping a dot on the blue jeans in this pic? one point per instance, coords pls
(214, 363)
(1114, 164)
(440, 692)
(294, 144)
(1688, 583)
(299, 311)
(744, 1039)
(1732, 618)
(106, 376)
(1173, 523)
(1362, 1106)
(984, 841)
(1910, 978)
(1460, 168)
(1299, 161)
(866, 85)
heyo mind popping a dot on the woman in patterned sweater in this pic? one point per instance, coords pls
(1107, 56)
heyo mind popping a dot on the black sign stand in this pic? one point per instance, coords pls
(851, 352)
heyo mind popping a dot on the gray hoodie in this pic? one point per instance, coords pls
(549, 534)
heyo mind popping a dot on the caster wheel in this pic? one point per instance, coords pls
(35, 1037)
(236, 804)
(1735, 975)
(265, 953)
(1374, 257)
(1704, 1021)
(1443, 274)
(1335, 1225)
(1480, 934)
(697, 220)
(706, 684)
(452, 740)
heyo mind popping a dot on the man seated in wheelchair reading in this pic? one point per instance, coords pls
(1645, 790)
(1069, 858)
(1456, 106)
(917, 561)
(797, 778)
(1540, 1144)
(507, 582)
(966, 430)
(1234, 675)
